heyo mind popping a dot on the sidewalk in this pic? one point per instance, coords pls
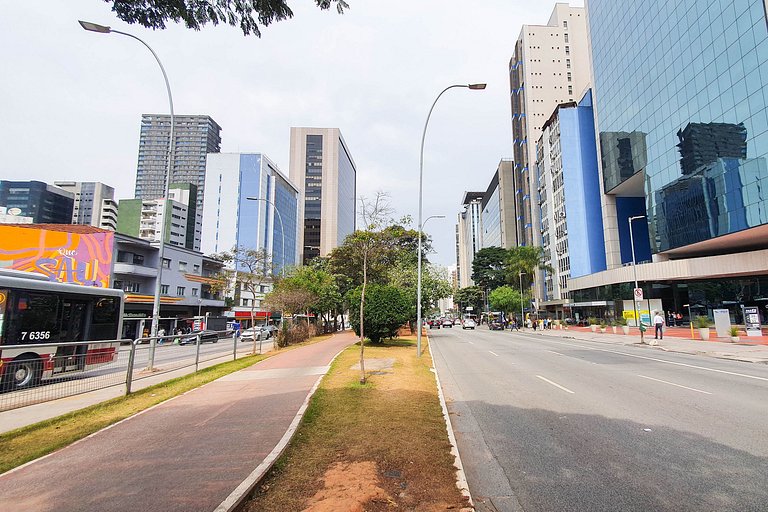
(676, 339)
(199, 451)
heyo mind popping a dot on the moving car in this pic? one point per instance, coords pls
(259, 333)
(434, 324)
(468, 324)
(447, 322)
(205, 336)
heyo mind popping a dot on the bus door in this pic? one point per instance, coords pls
(73, 322)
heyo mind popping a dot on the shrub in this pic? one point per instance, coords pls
(592, 320)
(621, 321)
(734, 331)
(702, 322)
(603, 325)
(294, 334)
(386, 309)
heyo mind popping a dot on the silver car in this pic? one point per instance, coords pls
(258, 333)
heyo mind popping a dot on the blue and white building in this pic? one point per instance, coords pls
(230, 219)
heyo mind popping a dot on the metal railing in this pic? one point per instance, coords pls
(33, 374)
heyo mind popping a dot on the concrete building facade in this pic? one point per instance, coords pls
(322, 168)
(469, 229)
(46, 204)
(95, 203)
(194, 137)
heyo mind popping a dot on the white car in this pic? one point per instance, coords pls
(259, 332)
(468, 324)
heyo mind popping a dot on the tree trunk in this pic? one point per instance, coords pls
(253, 323)
(362, 305)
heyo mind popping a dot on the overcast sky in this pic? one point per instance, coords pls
(72, 100)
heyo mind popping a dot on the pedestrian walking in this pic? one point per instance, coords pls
(658, 322)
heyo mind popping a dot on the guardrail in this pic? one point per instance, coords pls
(36, 373)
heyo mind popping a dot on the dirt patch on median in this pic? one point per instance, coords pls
(348, 486)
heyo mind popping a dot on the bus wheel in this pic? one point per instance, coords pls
(22, 373)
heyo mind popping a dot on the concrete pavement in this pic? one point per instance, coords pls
(200, 451)
(675, 340)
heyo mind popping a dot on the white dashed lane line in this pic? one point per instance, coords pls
(555, 384)
(673, 384)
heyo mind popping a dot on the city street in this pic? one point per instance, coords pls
(549, 424)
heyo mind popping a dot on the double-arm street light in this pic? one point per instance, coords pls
(474, 87)
(93, 27)
(634, 271)
(282, 227)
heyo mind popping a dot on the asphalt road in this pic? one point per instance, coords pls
(550, 425)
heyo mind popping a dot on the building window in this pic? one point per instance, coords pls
(194, 292)
(569, 77)
(182, 266)
(118, 285)
(570, 89)
(180, 291)
(565, 24)
(566, 38)
(166, 263)
(196, 269)
(163, 289)
(568, 63)
(245, 302)
(567, 50)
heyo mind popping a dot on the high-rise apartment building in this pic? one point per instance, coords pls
(550, 66)
(194, 137)
(144, 218)
(469, 229)
(95, 203)
(569, 190)
(682, 118)
(46, 204)
(322, 168)
(498, 209)
(231, 219)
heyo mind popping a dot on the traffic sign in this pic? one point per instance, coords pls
(638, 294)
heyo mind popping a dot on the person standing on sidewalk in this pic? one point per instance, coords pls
(658, 322)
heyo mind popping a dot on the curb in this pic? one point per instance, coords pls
(238, 496)
(461, 477)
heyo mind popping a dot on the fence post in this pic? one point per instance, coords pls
(129, 371)
(234, 346)
(197, 351)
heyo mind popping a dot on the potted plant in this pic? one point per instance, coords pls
(623, 323)
(614, 325)
(702, 323)
(603, 326)
(592, 321)
(734, 332)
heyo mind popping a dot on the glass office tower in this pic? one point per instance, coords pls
(681, 99)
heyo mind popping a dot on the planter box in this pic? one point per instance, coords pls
(625, 329)
(704, 333)
(613, 327)
(593, 327)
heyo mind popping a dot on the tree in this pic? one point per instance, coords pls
(386, 309)
(525, 259)
(247, 14)
(506, 299)
(316, 287)
(471, 296)
(435, 284)
(489, 267)
(248, 269)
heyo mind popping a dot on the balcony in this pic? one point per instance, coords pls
(134, 270)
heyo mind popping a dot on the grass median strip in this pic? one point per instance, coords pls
(373, 446)
(28, 443)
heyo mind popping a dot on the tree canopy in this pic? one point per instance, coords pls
(195, 14)
(489, 268)
(506, 299)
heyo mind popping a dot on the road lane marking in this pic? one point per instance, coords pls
(553, 352)
(673, 384)
(663, 361)
(494, 353)
(471, 342)
(555, 384)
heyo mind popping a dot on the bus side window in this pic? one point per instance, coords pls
(32, 318)
(106, 316)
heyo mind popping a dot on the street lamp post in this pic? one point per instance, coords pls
(282, 267)
(418, 320)
(93, 27)
(421, 224)
(522, 310)
(634, 272)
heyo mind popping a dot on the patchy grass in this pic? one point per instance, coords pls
(382, 444)
(28, 443)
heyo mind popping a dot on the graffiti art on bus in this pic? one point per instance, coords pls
(83, 257)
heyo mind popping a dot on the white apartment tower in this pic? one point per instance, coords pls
(550, 66)
(95, 203)
(469, 236)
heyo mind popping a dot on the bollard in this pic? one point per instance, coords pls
(234, 346)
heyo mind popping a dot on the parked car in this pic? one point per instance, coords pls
(259, 333)
(271, 330)
(434, 324)
(468, 324)
(447, 322)
(205, 337)
(457, 321)
(496, 326)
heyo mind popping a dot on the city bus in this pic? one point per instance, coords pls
(44, 324)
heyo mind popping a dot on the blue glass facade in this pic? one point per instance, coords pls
(586, 245)
(347, 194)
(680, 94)
(491, 216)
